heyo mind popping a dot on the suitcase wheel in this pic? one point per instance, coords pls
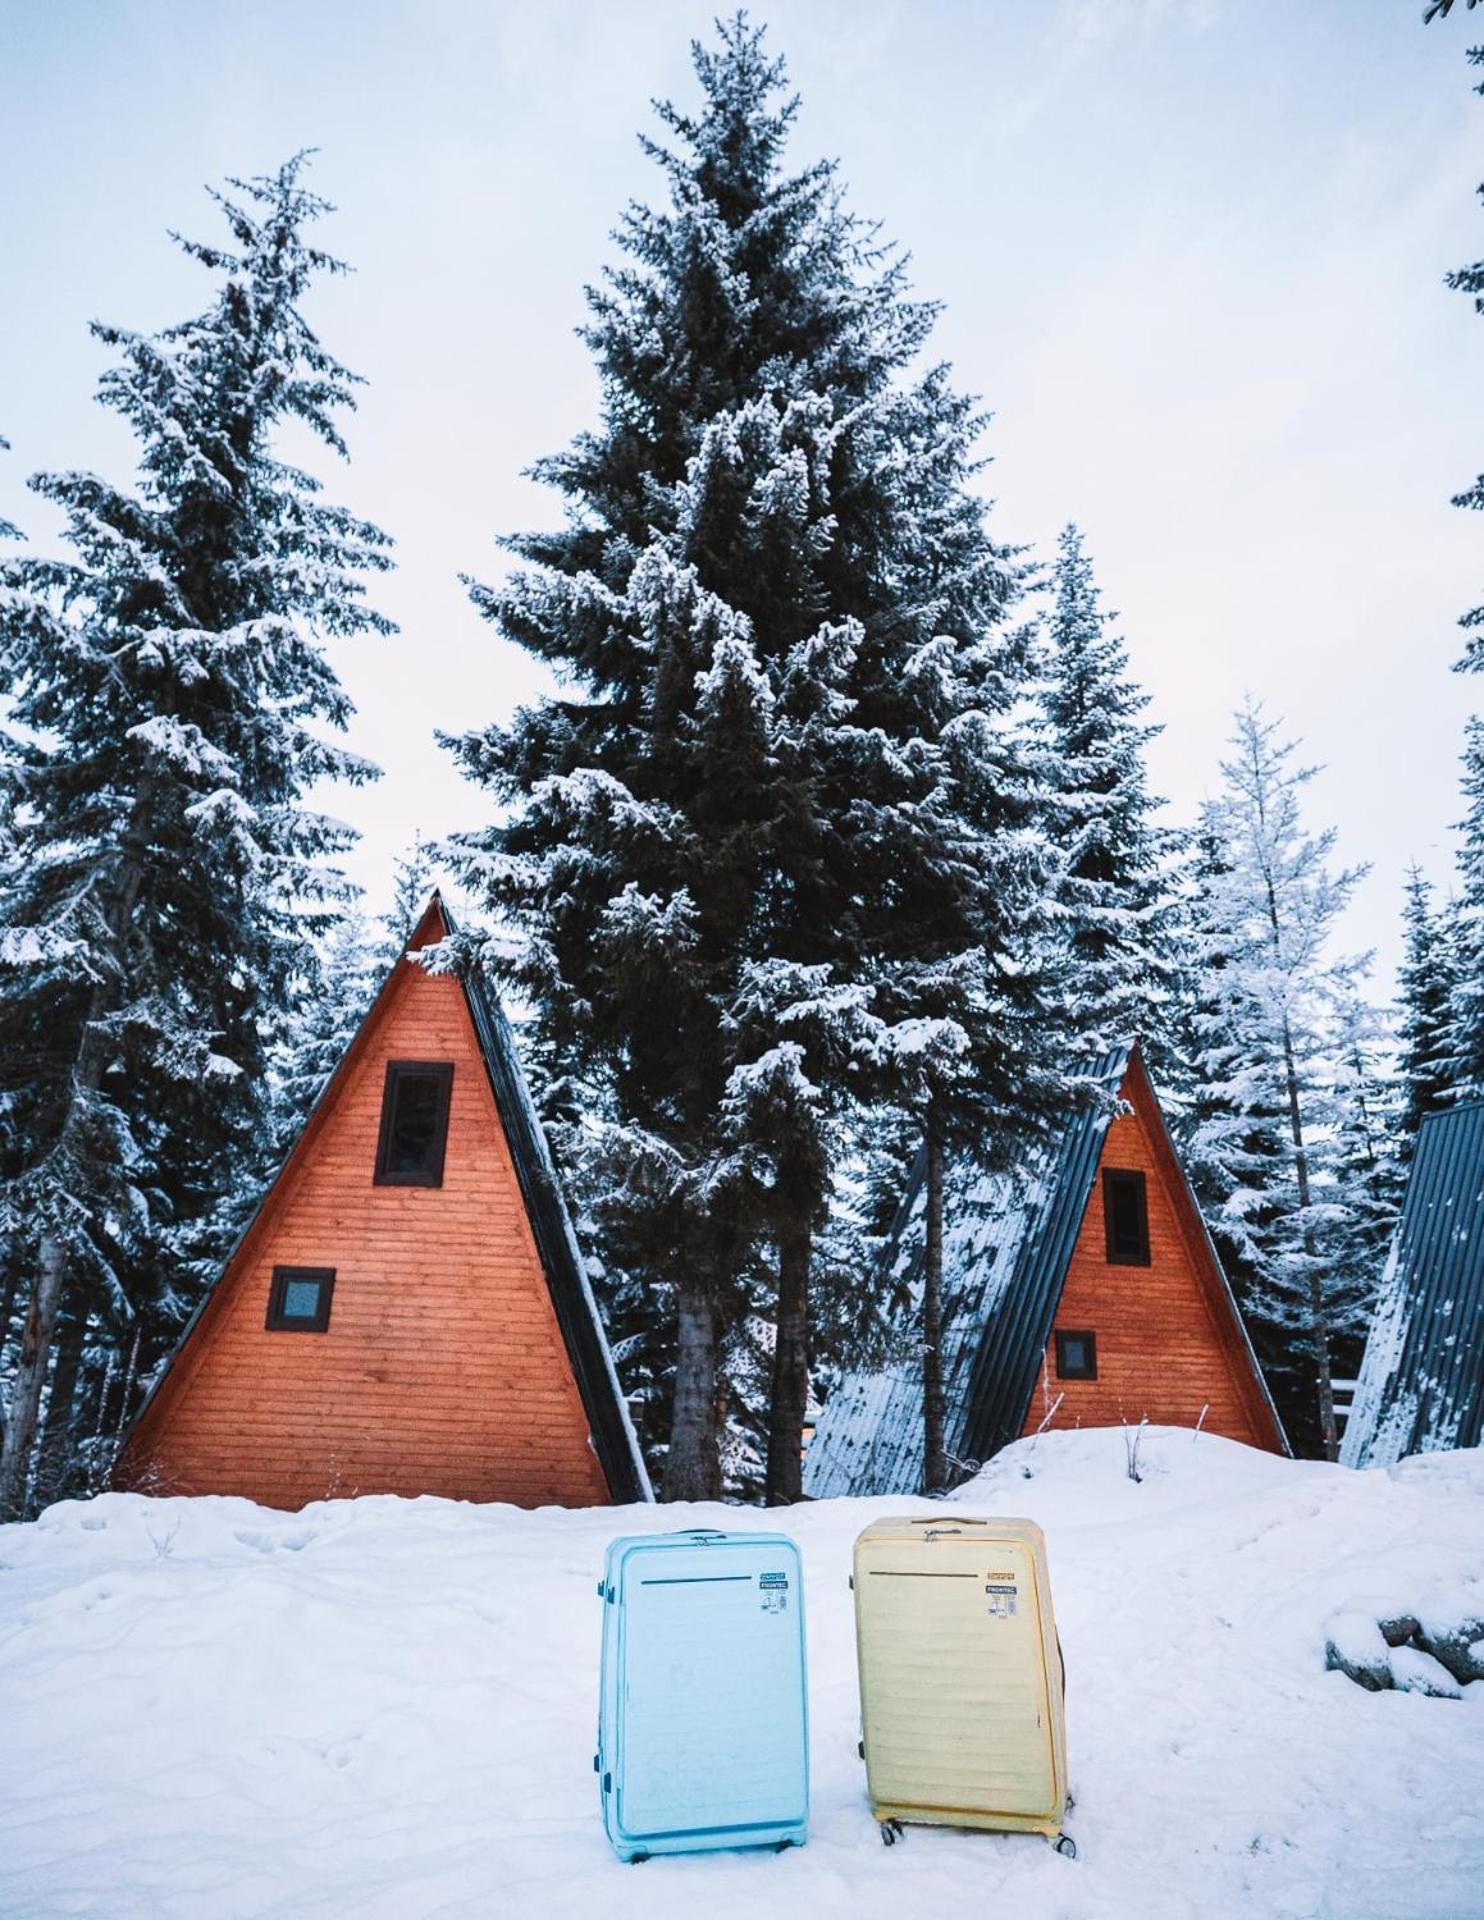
(860, 1747)
(1067, 1845)
(891, 1832)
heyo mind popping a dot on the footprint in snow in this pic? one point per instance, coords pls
(271, 1543)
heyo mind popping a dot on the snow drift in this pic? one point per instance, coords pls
(386, 1708)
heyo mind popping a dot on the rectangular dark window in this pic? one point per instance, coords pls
(1076, 1356)
(299, 1299)
(414, 1123)
(1126, 1215)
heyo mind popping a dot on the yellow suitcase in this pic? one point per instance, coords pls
(960, 1676)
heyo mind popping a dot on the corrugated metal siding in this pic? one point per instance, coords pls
(1006, 1243)
(1422, 1381)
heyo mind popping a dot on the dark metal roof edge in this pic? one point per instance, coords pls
(1214, 1259)
(572, 1298)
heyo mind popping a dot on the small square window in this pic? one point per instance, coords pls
(1126, 1217)
(414, 1123)
(1076, 1355)
(299, 1299)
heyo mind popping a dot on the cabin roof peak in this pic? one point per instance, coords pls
(580, 1323)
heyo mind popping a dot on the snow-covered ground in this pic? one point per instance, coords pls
(386, 1708)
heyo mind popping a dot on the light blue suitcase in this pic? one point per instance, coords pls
(703, 1718)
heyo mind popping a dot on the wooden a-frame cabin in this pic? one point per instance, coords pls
(407, 1311)
(1079, 1290)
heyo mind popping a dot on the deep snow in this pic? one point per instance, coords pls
(386, 1708)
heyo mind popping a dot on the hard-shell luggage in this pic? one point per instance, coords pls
(960, 1675)
(703, 1728)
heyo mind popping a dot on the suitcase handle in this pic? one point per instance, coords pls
(701, 1533)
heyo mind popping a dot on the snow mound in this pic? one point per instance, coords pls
(386, 1708)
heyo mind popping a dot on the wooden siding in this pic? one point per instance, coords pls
(1168, 1348)
(443, 1368)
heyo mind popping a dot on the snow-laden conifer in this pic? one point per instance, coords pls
(774, 599)
(1466, 1017)
(325, 1019)
(1425, 983)
(172, 697)
(1114, 893)
(1268, 991)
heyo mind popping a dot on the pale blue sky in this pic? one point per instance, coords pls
(1191, 251)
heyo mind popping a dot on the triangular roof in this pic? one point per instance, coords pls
(576, 1310)
(1008, 1243)
(1421, 1384)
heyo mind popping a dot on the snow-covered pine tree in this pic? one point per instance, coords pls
(414, 877)
(350, 963)
(1116, 894)
(1424, 1009)
(1465, 1048)
(1365, 1169)
(170, 685)
(973, 1042)
(1466, 1063)
(326, 1015)
(1269, 991)
(771, 550)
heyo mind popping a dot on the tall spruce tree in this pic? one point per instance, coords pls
(1115, 895)
(170, 686)
(312, 1038)
(1425, 1018)
(1269, 992)
(1366, 1168)
(351, 960)
(771, 564)
(413, 880)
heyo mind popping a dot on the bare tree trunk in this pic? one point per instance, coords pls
(1318, 1314)
(54, 1453)
(51, 1262)
(934, 1456)
(693, 1464)
(30, 1379)
(10, 1286)
(126, 1395)
(789, 1401)
(721, 1401)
